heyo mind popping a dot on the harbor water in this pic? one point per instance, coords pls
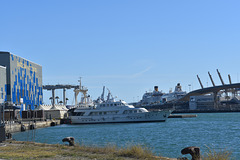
(219, 131)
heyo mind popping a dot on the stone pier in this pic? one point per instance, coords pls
(29, 125)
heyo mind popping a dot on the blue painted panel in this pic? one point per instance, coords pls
(24, 82)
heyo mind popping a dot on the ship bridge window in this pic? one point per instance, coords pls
(93, 114)
(111, 104)
(74, 113)
(79, 114)
(103, 105)
(127, 112)
(135, 111)
(115, 104)
(108, 105)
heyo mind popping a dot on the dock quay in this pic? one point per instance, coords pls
(205, 111)
(182, 115)
(29, 125)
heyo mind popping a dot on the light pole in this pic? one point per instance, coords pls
(51, 99)
(189, 87)
(66, 100)
(57, 99)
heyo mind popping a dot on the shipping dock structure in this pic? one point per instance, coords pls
(22, 108)
(217, 98)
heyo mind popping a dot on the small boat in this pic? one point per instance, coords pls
(112, 111)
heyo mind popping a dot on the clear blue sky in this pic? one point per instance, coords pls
(127, 45)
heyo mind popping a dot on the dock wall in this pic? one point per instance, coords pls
(16, 127)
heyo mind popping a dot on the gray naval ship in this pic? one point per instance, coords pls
(159, 100)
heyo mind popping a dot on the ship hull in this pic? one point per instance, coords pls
(155, 116)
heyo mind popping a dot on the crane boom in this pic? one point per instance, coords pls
(229, 77)
(200, 81)
(220, 77)
(211, 79)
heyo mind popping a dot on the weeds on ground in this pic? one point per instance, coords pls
(212, 154)
(131, 151)
(25, 151)
(136, 151)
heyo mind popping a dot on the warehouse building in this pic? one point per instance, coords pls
(23, 80)
(3, 84)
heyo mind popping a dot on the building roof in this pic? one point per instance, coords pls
(50, 107)
(2, 67)
(4, 52)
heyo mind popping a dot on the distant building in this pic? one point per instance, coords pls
(3, 84)
(23, 80)
(202, 102)
(56, 112)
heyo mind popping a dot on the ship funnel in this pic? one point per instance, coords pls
(178, 88)
(156, 88)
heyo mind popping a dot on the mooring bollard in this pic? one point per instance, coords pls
(70, 140)
(23, 128)
(193, 151)
(9, 135)
(32, 127)
(53, 123)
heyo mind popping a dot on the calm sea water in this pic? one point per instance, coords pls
(216, 130)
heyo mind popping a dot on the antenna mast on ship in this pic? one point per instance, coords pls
(109, 94)
(102, 96)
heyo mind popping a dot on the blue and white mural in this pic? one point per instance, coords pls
(24, 81)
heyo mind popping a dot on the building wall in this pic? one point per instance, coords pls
(201, 102)
(4, 61)
(3, 84)
(24, 80)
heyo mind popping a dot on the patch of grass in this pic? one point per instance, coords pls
(212, 154)
(93, 149)
(25, 151)
(136, 151)
(29, 150)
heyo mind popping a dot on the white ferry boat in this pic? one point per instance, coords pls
(151, 98)
(112, 111)
(173, 96)
(157, 98)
